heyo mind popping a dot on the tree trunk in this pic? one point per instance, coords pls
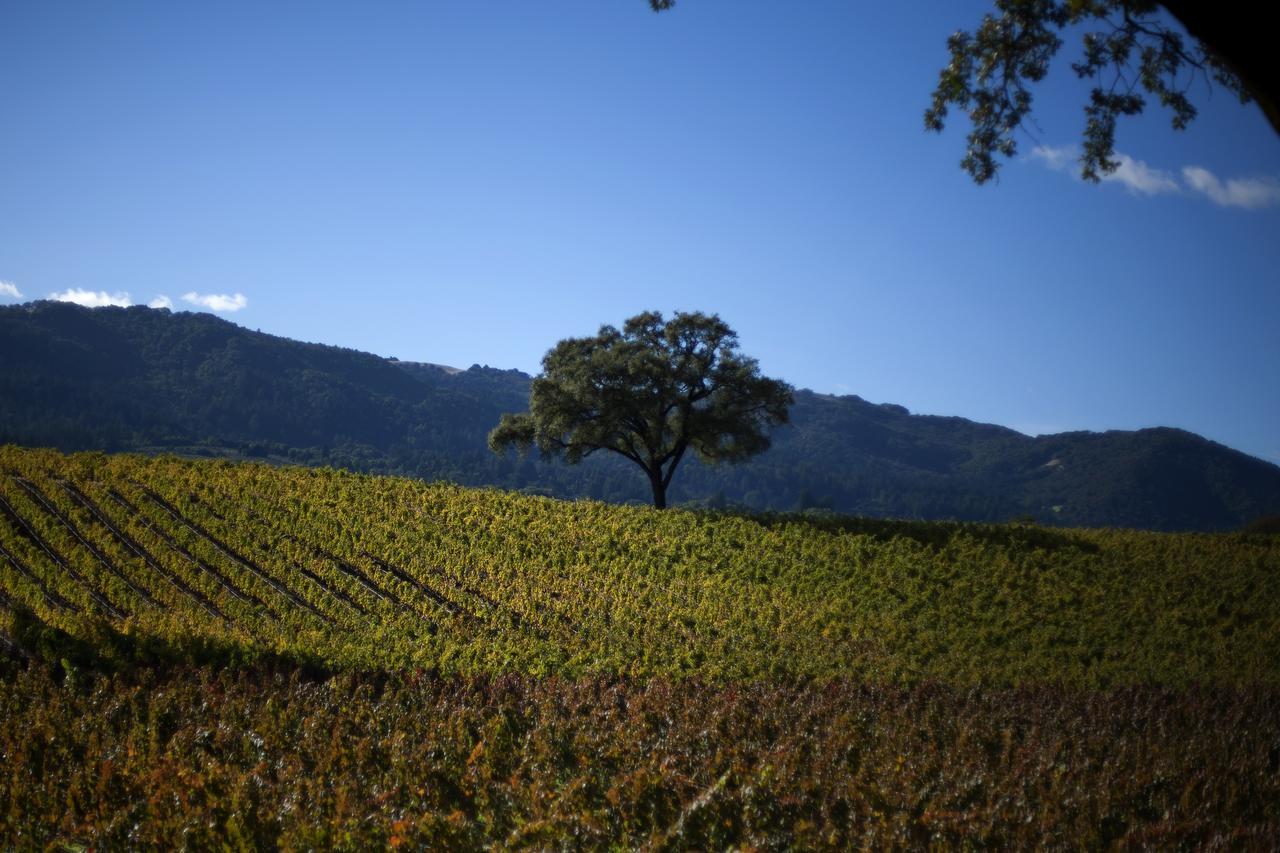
(659, 489)
(1233, 31)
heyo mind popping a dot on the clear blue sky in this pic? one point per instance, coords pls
(471, 182)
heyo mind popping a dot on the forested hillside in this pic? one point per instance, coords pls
(152, 380)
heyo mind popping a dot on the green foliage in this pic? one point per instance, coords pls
(650, 393)
(350, 571)
(1134, 54)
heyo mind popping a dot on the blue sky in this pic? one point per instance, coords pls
(471, 182)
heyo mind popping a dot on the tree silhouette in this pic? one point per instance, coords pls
(649, 392)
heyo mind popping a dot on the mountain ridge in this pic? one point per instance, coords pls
(153, 380)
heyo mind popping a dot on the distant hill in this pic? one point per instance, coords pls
(152, 380)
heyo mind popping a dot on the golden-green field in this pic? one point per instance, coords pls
(205, 651)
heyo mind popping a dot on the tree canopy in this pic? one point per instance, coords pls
(1131, 51)
(649, 392)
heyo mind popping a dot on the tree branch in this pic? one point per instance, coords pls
(679, 454)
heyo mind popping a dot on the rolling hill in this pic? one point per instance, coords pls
(199, 654)
(154, 381)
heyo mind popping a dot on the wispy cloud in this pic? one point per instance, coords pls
(1142, 179)
(1249, 193)
(8, 288)
(160, 302)
(217, 301)
(1134, 175)
(1138, 177)
(92, 298)
(1057, 158)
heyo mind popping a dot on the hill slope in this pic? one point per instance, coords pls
(141, 379)
(189, 650)
(370, 572)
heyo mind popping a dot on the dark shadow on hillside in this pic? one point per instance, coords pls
(99, 647)
(931, 534)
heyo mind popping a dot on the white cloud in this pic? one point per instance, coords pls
(92, 298)
(1058, 159)
(8, 288)
(217, 301)
(160, 302)
(1138, 177)
(1249, 193)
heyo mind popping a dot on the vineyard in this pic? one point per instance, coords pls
(210, 644)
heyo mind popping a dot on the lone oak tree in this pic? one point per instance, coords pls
(650, 392)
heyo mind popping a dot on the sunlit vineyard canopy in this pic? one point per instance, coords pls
(360, 571)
